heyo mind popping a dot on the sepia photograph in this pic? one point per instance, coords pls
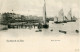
(39, 25)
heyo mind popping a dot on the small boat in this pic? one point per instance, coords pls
(62, 31)
(77, 31)
(38, 30)
(51, 29)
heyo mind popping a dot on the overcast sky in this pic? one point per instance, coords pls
(35, 7)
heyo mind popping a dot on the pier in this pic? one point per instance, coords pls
(14, 25)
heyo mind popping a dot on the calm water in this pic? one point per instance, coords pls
(53, 30)
(41, 41)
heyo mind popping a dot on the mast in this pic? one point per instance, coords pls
(44, 10)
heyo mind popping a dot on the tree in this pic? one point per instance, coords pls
(6, 18)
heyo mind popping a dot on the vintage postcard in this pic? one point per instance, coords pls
(39, 25)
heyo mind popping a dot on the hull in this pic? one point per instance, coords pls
(60, 22)
(43, 26)
(72, 21)
(65, 21)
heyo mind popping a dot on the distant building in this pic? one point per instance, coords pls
(0, 18)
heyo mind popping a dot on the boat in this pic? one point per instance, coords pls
(61, 18)
(62, 31)
(70, 18)
(44, 25)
